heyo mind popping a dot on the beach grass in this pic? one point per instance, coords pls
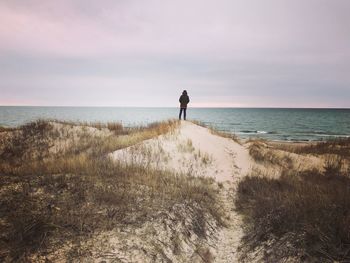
(259, 151)
(50, 198)
(303, 215)
(337, 146)
(6, 129)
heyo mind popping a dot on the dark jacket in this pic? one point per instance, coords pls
(184, 100)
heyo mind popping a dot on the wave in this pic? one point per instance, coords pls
(247, 131)
(319, 133)
(332, 135)
(256, 132)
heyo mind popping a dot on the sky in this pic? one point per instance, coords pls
(225, 53)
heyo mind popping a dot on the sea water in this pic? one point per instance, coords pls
(268, 123)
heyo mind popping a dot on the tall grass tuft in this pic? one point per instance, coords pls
(262, 154)
(302, 215)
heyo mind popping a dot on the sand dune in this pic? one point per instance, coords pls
(193, 150)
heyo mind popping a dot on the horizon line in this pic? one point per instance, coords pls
(209, 107)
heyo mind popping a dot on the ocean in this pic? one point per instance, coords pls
(270, 123)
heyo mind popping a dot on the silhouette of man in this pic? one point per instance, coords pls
(184, 100)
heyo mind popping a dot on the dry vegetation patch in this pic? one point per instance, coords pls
(62, 198)
(261, 153)
(338, 146)
(6, 129)
(300, 215)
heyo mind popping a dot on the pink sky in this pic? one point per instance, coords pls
(226, 53)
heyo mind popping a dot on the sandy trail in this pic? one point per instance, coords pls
(195, 150)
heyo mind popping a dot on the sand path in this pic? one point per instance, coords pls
(195, 150)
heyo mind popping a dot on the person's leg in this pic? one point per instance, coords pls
(185, 113)
(180, 113)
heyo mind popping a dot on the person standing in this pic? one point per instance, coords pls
(184, 100)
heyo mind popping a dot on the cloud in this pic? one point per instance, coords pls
(285, 52)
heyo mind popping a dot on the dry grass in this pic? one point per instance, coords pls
(186, 146)
(111, 126)
(30, 141)
(260, 152)
(338, 146)
(35, 140)
(6, 129)
(205, 254)
(48, 200)
(302, 215)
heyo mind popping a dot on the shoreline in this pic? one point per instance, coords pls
(270, 124)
